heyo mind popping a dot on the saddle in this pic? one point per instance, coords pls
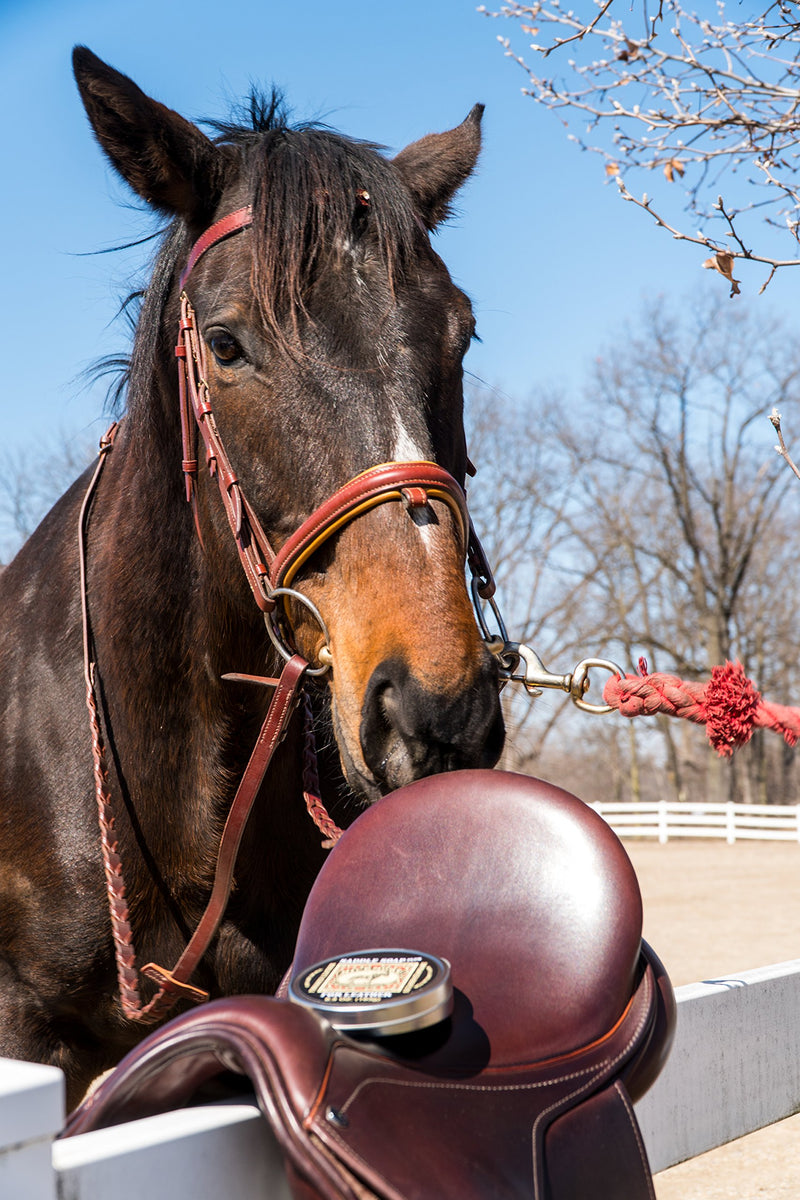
(517, 1083)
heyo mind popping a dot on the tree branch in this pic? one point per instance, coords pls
(702, 98)
(775, 418)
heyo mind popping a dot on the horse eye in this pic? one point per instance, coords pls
(225, 348)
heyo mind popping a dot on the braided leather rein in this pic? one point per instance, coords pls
(269, 575)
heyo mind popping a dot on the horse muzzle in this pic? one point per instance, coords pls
(408, 731)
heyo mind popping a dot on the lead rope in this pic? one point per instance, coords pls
(728, 704)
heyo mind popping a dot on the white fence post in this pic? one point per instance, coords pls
(663, 826)
(730, 823)
(31, 1113)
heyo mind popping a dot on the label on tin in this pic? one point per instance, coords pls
(367, 978)
(378, 991)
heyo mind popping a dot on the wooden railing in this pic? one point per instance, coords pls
(665, 819)
(734, 1067)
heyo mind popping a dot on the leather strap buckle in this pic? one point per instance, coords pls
(168, 983)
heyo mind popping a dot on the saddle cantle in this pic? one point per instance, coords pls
(561, 1017)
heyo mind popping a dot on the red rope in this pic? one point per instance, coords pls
(316, 809)
(729, 705)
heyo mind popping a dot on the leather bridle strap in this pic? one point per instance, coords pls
(255, 552)
(174, 983)
(221, 229)
(412, 483)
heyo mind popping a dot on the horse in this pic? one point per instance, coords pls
(320, 347)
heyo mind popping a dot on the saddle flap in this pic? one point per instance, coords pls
(596, 1149)
(282, 1048)
(408, 1131)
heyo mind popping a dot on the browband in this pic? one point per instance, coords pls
(232, 223)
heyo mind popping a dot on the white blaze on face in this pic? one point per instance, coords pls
(407, 450)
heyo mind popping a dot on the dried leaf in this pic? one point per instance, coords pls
(612, 168)
(722, 261)
(630, 52)
(673, 167)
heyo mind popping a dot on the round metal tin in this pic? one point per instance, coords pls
(379, 992)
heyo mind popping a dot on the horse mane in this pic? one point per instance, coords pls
(311, 189)
(307, 186)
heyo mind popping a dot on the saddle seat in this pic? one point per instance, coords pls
(562, 1016)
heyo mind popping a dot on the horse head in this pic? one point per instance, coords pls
(332, 340)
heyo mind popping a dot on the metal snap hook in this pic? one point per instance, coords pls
(535, 676)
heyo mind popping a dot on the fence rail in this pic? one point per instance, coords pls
(734, 1067)
(665, 819)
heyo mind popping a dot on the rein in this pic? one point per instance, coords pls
(269, 575)
(174, 984)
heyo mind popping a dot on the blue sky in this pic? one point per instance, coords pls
(555, 262)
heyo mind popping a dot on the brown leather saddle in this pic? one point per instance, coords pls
(561, 1016)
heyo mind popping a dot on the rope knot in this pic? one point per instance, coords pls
(729, 705)
(731, 702)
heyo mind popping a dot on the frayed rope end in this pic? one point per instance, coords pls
(731, 704)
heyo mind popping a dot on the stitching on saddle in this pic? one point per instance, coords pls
(353, 1154)
(603, 1065)
(637, 1133)
(464, 1087)
(567, 1100)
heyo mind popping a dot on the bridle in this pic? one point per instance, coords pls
(270, 575)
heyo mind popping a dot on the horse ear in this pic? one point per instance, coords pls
(163, 157)
(434, 168)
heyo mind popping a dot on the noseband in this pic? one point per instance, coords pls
(270, 573)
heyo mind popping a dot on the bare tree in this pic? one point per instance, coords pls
(654, 519)
(703, 104)
(687, 517)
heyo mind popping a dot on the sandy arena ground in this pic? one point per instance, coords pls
(709, 910)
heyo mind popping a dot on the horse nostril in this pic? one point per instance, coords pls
(408, 731)
(378, 721)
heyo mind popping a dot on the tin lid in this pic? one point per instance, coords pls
(379, 992)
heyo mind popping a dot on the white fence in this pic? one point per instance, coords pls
(734, 1068)
(665, 819)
